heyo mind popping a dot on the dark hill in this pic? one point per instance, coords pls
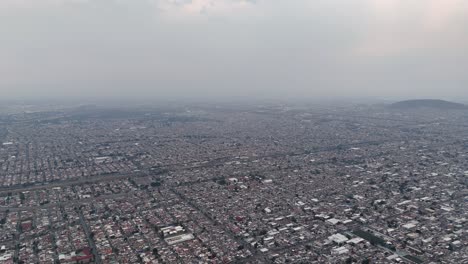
(428, 103)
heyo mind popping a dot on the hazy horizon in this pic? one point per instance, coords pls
(193, 49)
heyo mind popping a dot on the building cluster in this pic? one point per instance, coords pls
(251, 185)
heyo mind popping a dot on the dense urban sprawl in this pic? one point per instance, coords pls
(234, 184)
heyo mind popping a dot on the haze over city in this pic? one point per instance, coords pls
(234, 131)
(233, 48)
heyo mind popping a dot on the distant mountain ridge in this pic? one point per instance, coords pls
(428, 103)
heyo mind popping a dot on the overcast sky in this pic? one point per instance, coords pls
(241, 48)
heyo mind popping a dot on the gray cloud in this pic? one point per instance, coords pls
(257, 48)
